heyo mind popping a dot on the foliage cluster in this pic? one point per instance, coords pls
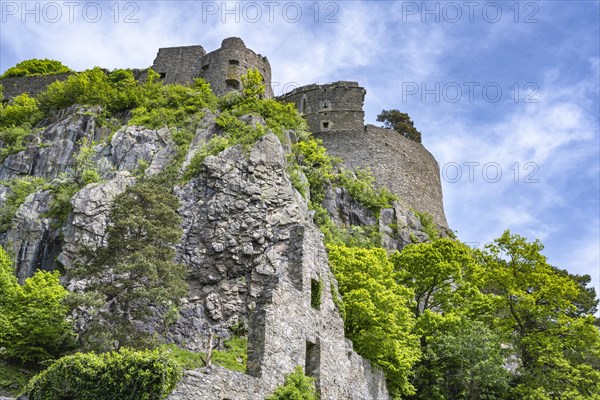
(18, 190)
(428, 224)
(316, 293)
(35, 66)
(401, 123)
(378, 317)
(17, 117)
(296, 386)
(466, 315)
(233, 356)
(13, 379)
(126, 374)
(139, 257)
(33, 324)
(162, 105)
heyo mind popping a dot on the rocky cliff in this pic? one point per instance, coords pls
(251, 248)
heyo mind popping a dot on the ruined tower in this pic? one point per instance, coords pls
(179, 64)
(332, 107)
(224, 67)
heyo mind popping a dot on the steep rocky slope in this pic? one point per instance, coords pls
(250, 246)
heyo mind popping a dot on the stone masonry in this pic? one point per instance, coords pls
(179, 64)
(224, 67)
(336, 106)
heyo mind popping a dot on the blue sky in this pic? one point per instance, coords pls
(506, 93)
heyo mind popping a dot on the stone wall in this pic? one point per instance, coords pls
(400, 164)
(224, 67)
(29, 84)
(179, 64)
(333, 107)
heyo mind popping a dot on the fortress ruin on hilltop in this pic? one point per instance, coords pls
(334, 113)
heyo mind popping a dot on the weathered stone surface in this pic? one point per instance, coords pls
(400, 164)
(131, 146)
(52, 150)
(343, 209)
(205, 131)
(32, 239)
(249, 242)
(399, 227)
(236, 217)
(88, 221)
(253, 251)
(224, 67)
(336, 106)
(32, 85)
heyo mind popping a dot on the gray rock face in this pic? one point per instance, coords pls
(133, 146)
(32, 239)
(88, 221)
(250, 245)
(52, 151)
(254, 254)
(343, 209)
(236, 219)
(399, 227)
(205, 131)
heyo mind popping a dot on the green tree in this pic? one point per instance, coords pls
(21, 111)
(456, 362)
(401, 123)
(440, 274)
(123, 375)
(558, 347)
(297, 386)
(254, 84)
(464, 359)
(378, 319)
(33, 316)
(135, 274)
(36, 66)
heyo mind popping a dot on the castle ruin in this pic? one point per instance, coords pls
(280, 262)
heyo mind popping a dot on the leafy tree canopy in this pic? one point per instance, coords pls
(378, 319)
(33, 324)
(36, 66)
(539, 309)
(123, 375)
(401, 123)
(139, 257)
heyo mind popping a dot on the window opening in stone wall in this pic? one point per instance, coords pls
(312, 362)
(325, 125)
(205, 67)
(304, 106)
(162, 75)
(232, 84)
(316, 293)
(234, 62)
